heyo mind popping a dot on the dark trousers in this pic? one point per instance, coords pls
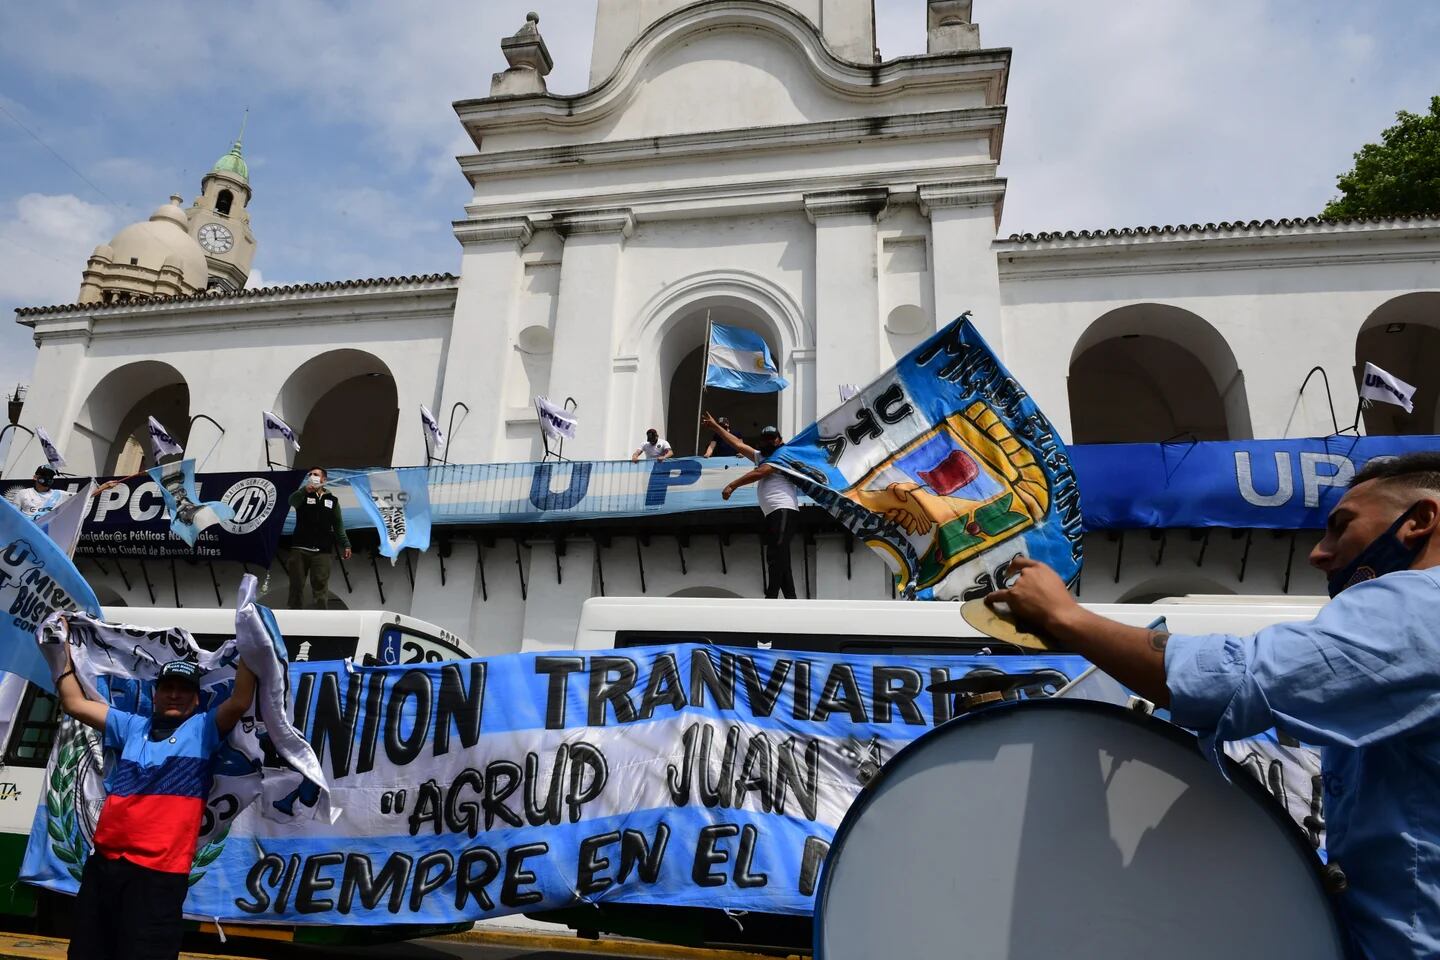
(779, 528)
(314, 566)
(127, 912)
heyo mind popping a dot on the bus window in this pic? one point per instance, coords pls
(35, 728)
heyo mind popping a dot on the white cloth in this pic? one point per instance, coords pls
(656, 450)
(32, 502)
(776, 492)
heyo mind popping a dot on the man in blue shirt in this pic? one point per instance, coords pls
(132, 890)
(1361, 680)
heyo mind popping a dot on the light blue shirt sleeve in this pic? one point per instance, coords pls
(1364, 670)
(118, 724)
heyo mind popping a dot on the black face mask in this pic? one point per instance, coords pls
(1385, 554)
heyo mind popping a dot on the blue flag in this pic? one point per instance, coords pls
(189, 515)
(397, 503)
(739, 359)
(945, 466)
(36, 579)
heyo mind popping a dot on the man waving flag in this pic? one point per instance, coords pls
(739, 359)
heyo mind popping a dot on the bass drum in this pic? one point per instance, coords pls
(1066, 828)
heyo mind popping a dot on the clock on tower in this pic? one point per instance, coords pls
(220, 221)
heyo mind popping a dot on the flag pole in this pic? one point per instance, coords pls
(704, 371)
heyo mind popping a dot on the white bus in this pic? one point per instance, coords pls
(31, 716)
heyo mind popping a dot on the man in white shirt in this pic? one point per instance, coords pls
(779, 501)
(653, 448)
(39, 498)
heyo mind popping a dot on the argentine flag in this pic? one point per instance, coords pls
(739, 359)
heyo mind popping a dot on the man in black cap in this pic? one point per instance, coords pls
(40, 497)
(779, 501)
(132, 891)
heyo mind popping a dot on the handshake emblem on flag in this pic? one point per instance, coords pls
(945, 467)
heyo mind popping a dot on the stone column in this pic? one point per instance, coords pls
(847, 289)
(481, 334)
(581, 366)
(805, 406)
(963, 217)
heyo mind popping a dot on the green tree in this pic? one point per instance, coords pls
(1399, 175)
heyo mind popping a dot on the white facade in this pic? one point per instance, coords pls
(745, 160)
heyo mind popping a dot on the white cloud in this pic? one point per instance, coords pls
(44, 243)
(47, 240)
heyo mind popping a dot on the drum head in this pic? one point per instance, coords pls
(1058, 828)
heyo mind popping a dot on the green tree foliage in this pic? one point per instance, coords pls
(1399, 175)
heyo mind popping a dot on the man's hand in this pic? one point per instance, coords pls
(727, 492)
(1036, 596)
(345, 554)
(635, 457)
(708, 421)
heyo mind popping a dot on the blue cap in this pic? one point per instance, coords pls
(186, 670)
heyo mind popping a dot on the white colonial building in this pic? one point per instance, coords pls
(755, 163)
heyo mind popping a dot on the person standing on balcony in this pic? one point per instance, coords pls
(319, 528)
(654, 448)
(779, 501)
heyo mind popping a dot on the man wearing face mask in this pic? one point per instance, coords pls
(1361, 681)
(319, 528)
(40, 497)
(779, 501)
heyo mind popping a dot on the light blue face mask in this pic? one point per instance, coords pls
(1385, 554)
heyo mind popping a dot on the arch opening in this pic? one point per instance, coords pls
(223, 201)
(1402, 337)
(345, 405)
(111, 435)
(1148, 373)
(681, 361)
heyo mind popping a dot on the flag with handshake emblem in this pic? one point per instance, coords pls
(945, 466)
(397, 502)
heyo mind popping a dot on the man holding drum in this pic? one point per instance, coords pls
(1361, 680)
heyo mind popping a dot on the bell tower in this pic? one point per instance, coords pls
(220, 222)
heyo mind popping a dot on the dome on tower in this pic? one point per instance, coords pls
(233, 164)
(162, 240)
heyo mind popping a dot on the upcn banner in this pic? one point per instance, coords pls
(1269, 484)
(684, 774)
(129, 519)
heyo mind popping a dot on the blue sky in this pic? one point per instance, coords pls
(1121, 113)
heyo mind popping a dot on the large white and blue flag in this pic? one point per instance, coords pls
(397, 503)
(740, 359)
(947, 468)
(37, 578)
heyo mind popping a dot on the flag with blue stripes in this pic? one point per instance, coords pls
(36, 579)
(740, 359)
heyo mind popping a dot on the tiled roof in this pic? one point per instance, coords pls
(1225, 226)
(224, 296)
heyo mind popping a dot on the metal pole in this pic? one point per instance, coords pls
(704, 370)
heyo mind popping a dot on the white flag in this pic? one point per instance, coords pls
(277, 429)
(555, 421)
(432, 427)
(52, 454)
(63, 523)
(1387, 388)
(161, 442)
(848, 390)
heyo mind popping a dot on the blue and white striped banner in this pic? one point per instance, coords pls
(683, 775)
